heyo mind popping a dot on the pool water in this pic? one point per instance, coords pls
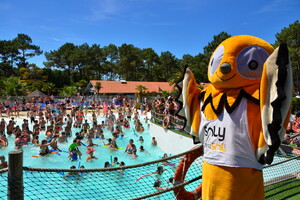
(52, 185)
(61, 160)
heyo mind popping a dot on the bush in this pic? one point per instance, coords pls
(138, 105)
(68, 91)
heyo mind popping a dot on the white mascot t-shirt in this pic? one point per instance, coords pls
(226, 140)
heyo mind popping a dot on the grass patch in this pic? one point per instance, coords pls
(289, 189)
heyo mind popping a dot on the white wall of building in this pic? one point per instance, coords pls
(170, 142)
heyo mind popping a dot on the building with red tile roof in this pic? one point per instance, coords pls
(128, 87)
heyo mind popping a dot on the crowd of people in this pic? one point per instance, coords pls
(56, 118)
(292, 136)
(163, 106)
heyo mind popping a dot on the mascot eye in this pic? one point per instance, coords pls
(253, 65)
(215, 59)
(250, 62)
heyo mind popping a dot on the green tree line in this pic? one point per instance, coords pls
(70, 67)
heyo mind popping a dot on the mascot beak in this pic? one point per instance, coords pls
(225, 68)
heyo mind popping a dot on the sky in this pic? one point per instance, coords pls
(178, 26)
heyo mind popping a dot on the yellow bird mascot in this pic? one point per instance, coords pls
(241, 117)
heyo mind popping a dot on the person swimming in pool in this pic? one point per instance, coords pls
(115, 163)
(143, 150)
(3, 163)
(111, 143)
(157, 185)
(54, 143)
(130, 147)
(159, 172)
(117, 132)
(107, 164)
(154, 141)
(126, 123)
(141, 139)
(121, 171)
(71, 173)
(73, 149)
(90, 152)
(44, 150)
(90, 141)
(139, 126)
(85, 173)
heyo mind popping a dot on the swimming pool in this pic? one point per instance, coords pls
(101, 184)
(51, 185)
(60, 160)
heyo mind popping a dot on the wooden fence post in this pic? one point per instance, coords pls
(15, 176)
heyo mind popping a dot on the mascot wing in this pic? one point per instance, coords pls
(189, 103)
(275, 100)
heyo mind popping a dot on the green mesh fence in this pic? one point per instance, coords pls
(3, 183)
(281, 180)
(129, 182)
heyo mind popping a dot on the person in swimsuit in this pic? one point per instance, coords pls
(35, 139)
(117, 132)
(3, 163)
(2, 126)
(143, 150)
(141, 139)
(3, 141)
(115, 163)
(8, 112)
(71, 173)
(157, 185)
(90, 152)
(139, 126)
(159, 172)
(42, 124)
(90, 141)
(86, 126)
(63, 138)
(10, 127)
(154, 142)
(36, 127)
(113, 144)
(126, 123)
(54, 143)
(105, 108)
(73, 149)
(130, 147)
(121, 171)
(44, 150)
(107, 164)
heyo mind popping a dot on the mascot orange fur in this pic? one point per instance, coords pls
(241, 117)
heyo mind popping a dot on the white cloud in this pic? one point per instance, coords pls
(104, 9)
(56, 39)
(279, 5)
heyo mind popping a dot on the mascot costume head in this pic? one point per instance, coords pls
(241, 117)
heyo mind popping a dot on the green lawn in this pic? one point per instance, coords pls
(289, 189)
